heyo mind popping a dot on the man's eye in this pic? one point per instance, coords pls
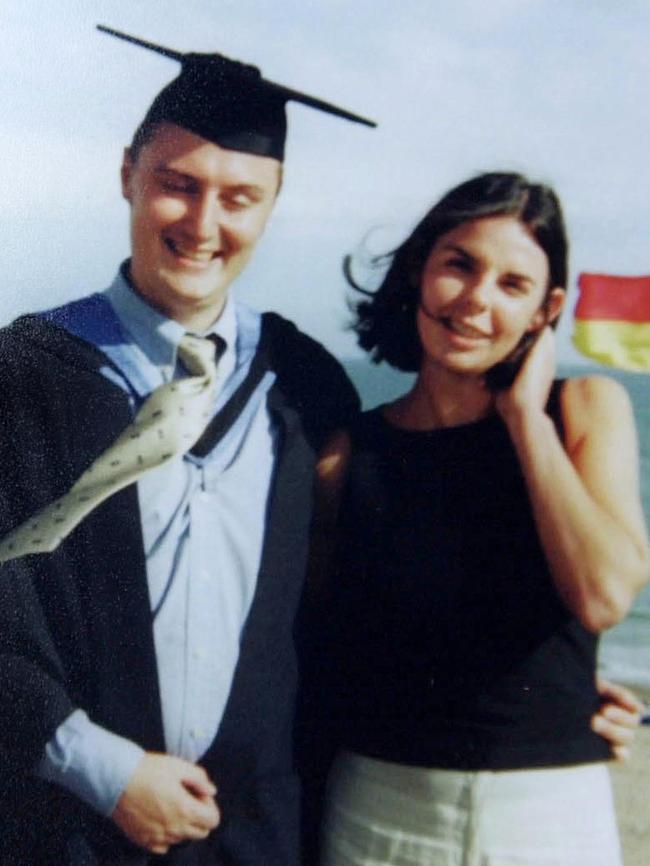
(176, 186)
(238, 201)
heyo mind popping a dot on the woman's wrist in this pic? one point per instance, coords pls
(526, 423)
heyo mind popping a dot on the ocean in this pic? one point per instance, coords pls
(625, 649)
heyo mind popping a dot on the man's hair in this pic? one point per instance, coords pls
(386, 323)
(145, 134)
(142, 136)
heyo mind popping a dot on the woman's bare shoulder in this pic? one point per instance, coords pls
(594, 403)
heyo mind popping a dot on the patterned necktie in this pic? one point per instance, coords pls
(169, 422)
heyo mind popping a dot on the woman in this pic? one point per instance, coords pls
(490, 528)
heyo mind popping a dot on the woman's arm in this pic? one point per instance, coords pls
(585, 491)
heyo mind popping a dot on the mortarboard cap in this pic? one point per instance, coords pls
(227, 102)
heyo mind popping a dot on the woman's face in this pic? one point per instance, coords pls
(482, 289)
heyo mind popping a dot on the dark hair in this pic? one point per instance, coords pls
(146, 132)
(386, 324)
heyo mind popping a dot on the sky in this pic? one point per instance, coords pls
(557, 89)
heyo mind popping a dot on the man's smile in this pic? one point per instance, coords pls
(191, 254)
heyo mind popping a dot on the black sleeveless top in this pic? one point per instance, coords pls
(453, 648)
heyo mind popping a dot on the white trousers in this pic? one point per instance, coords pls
(382, 814)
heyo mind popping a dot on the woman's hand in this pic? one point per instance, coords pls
(618, 718)
(532, 384)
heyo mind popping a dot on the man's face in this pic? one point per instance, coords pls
(197, 211)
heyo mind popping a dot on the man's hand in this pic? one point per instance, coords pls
(166, 801)
(618, 717)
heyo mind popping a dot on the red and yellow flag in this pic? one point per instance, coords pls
(612, 320)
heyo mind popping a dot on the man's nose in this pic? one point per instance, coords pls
(204, 217)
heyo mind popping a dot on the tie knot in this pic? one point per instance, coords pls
(219, 345)
(199, 354)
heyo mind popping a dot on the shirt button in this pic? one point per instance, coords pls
(198, 653)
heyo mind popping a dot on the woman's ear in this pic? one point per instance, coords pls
(549, 311)
(554, 304)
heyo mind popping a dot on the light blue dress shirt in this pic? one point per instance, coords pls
(203, 528)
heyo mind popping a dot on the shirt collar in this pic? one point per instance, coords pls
(157, 336)
(154, 334)
(226, 324)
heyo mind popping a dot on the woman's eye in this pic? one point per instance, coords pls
(514, 287)
(459, 264)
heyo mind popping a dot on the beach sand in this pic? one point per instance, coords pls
(631, 782)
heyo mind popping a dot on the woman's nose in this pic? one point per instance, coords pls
(477, 292)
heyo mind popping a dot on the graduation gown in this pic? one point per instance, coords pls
(76, 626)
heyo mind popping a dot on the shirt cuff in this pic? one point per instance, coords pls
(90, 762)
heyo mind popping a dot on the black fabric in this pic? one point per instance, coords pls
(225, 102)
(75, 625)
(228, 414)
(228, 102)
(451, 646)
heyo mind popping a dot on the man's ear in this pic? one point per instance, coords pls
(125, 173)
(549, 311)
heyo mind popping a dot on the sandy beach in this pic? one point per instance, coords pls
(632, 793)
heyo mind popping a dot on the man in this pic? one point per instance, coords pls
(147, 667)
